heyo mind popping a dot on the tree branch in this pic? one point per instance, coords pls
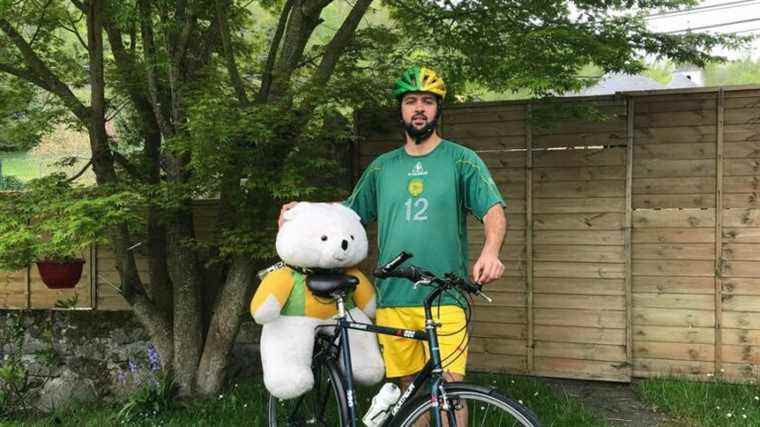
(74, 31)
(229, 54)
(299, 29)
(42, 16)
(149, 50)
(340, 40)
(312, 7)
(81, 172)
(43, 73)
(187, 20)
(333, 52)
(102, 160)
(274, 47)
(127, 165)
(25, 74)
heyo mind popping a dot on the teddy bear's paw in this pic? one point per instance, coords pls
(369, 374)
(297, 382)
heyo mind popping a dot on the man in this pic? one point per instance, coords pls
(420, 195)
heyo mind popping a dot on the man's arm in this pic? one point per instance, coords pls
(488, 267)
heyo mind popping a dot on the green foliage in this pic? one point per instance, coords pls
(156, 390)
(66, 303)
(660, 71)
(10, 183)
(16, 386)
(740, 72)
(244, 404)
(149, 401)
(709, 403)
(53, 220)
(26, 114)
(541, 46)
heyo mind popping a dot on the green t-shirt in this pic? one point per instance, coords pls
(421, 205)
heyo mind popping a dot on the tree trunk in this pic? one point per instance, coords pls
(225, 322)
(186, 283)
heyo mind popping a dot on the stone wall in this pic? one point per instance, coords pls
(87, 354)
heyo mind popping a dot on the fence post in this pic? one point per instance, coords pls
(719, 232)
(529, 233)
(630, 139)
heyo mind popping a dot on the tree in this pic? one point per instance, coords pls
(216, 103)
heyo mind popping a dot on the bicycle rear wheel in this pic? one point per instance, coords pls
(324, 405)
(485, 407)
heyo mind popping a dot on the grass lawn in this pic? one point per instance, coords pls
(244, 405)
(704, 404)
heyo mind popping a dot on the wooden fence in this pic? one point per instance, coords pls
(617, 264)
(98, 288)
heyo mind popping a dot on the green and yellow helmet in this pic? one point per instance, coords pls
(419, 79)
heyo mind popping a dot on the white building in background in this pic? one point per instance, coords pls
(687, 76)
(682, 77)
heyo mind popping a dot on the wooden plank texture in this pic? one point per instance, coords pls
(696, 370)
(600, 352)
(670, 351)
(676, 234)
(694, 251)
(587, 318)
(579, 253)
(673, 334)
(575, 286)
(672, 316)
(583, 369)
(693, 218)
(13, 289)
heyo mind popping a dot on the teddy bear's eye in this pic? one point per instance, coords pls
(352, 237)
(324, 238)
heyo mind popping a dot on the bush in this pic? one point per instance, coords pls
(10, 183)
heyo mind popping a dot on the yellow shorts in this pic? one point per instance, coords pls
(404, 356)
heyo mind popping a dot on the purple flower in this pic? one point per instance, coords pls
(132, 367)
(154, 359)
(121, 376)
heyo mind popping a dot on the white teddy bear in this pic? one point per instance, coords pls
(314, 236)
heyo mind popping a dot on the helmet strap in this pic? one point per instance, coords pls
(420, 135)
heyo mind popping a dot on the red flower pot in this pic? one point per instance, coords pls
(60, 275)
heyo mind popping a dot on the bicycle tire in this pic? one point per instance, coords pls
(502, 412)
(324, 405)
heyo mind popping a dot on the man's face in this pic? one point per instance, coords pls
(418, 109)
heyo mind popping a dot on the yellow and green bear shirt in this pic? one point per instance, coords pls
(289, 288)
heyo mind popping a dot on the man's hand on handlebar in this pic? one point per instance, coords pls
(487, 268)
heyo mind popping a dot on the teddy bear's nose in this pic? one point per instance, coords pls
(344, 244)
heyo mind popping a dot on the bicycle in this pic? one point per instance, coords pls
(332, 401)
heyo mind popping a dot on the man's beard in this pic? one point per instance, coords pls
(422, 134)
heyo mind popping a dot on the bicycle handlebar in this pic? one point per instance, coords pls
(416, 274)
(385, 270)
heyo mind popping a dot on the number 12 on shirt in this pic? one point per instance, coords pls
(415, 209)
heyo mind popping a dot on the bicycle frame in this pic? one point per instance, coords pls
(431, 369)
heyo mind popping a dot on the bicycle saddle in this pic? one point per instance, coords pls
(324, 285)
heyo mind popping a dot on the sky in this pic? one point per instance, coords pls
(724, 15)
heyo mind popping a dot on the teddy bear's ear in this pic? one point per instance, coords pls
(294, 211)
(350, 212)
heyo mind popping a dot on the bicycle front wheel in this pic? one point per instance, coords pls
(482, 406)
(324, 405)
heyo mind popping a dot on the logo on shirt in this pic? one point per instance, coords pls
(418, 170)
(416, 186)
